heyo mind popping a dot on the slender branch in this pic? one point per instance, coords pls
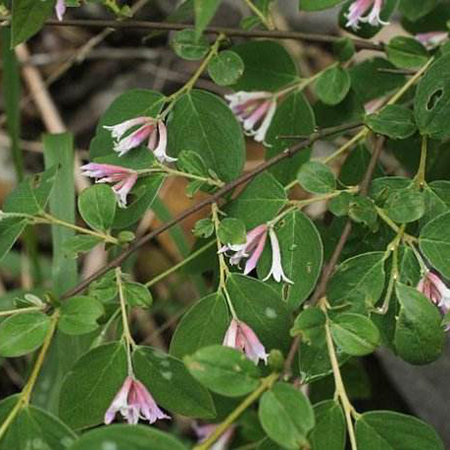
(137, 244)
(20, 310)
(230, 32)
(174, 268)
(24, 396)
(341, 393)
(266, 383)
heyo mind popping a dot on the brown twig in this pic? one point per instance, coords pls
(329, 268)
(289, 152)
(230, 32)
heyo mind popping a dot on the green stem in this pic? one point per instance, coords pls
(53, 220)
(20, 310)
(24, 397)
(223, 268)
(420, 176)
(174, 268)
(266, 383)
(190, 84)
(341, 393)
(267, 22)
(355, 139)
(173, 172)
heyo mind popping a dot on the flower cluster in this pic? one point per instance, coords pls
(357, 10)
(253, 248)
(134, 402)
(255, 110)
(123, 178)
(153, 131)
(240, 336)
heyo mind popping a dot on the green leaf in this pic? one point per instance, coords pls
(392, 431)
(22, 333)
(204, 12)
(79, 244)
(381, 83)
(126, 437)
(204, 228)
(32, 194)
(91, 385)
(358, 282)
(415, 9)
(268, 66)
(187, 44)
(171, 384)
(362, 210)
(259, 202)
(223, 370)
(131, 104)
(137, 295)
(286, 415)
(301, 256)
(192, 334)
(406, 205)
(232, 231)
(10, 229)
(33, 425)
(316, 178)
(317, 5)
(260, 307)
(432, 100)
(144, 193)
(406, 53)
(434, 242)
(419, 336)
(293, 116)
(394, 121)
(203, 123)
(79, 315)
(329, 432)
(309, 324)
(344, 49)
(28, 17)
(226, 68)
(97, 206)
(355, 334)
(333, 85)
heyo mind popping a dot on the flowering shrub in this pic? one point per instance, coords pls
(302, 264)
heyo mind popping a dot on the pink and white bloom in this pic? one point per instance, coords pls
(123, 178)
(134, 402)
(60, 9)
(436, 290)
(432, 39)
(255, 110)
(204, 431)
(356, 12)
(240, 336)
(251, 249)
(151, 130)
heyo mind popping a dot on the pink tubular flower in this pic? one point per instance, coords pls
(252, 248)
(123, 178)
(255, 110)
(359, 7)
(435, 289)
(134, 402)
(204, 431)
(60, 9)
(240, 336)
(152, 130)
(432, 39)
